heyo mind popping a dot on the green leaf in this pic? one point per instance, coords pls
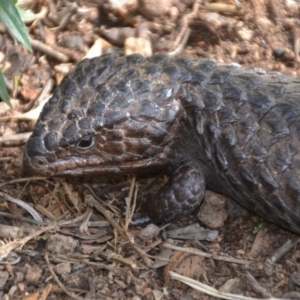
(26, 15)
(257, 228)
(11, 19)
(3, 91)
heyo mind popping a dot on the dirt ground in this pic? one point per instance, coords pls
(76, 246)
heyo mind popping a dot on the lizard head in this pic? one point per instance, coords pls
(109, 115)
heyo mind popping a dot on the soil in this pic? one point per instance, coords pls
(82, 248)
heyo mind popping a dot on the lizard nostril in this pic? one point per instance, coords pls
(40, 162)
(37, 162)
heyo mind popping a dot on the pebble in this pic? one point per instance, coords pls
(213, 212)
(154, 8)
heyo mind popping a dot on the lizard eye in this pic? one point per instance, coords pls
(86, 143)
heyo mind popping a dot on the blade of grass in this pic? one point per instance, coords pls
(11, 19)
(26, 15)
(3, 91)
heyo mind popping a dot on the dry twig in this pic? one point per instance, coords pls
(73, 296)
(208, 290)
(207, 255)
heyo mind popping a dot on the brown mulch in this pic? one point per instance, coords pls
(82, 248)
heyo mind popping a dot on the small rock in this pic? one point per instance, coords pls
(291, 4)
(264, 22)
(118, 36)
(174, 13)
(138, 45)
(61, 244)
(216, 20)
(154, 8)
(97, 48)
(231, 286)
(213, 211)
(19, 276)
(121, 4)
(245, 34)
(33, 273)
(71, 41)
(193, 232)
(150, 231)
(63, 268)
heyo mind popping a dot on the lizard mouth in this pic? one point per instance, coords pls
(93, 165)
(131, 156)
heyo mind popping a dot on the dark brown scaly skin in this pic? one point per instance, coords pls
(236, 131)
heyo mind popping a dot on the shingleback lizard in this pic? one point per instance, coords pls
(235, 131)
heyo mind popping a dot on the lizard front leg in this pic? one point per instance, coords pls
(180, 196)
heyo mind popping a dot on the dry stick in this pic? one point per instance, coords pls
(296, 42)
(90, 200)
(74, 222)
(10, 246)
(222, 7)
(119, 258)
(182, 44)
(130, 208)
(73, 296)
(63, 258)
(34, 113)
(95, 197)
(24, 187)
(136, 190)
(39, 46)
(24, 205)
(148, 248)
(208, 290)
(46, 292)
(291, 295)
(11, 262)
(18, 180)
(44, 211)
(16, 138)
(69, 194)
(45, 91)
(17, 116)
(92, 237)
(256, 287)
(284, 249)
(84, 227)
(23, 219)
(208, 255)
(66, 19)
(186, 22)
(7, 158)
